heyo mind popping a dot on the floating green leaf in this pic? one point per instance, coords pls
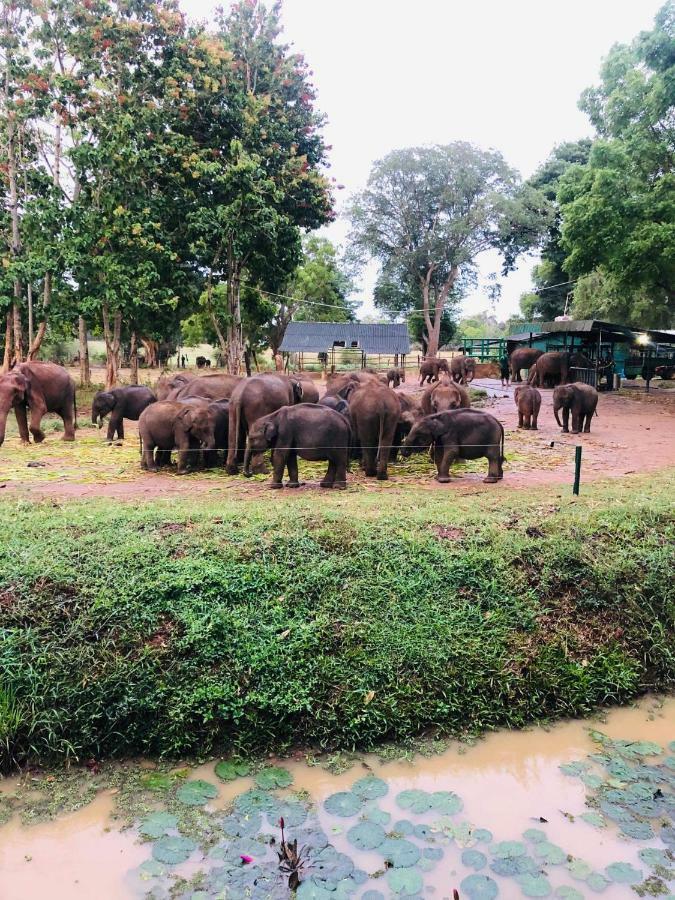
(370, 788)
(573, 769)
(594, 818)
(254, 801)
(579, 869)
(667, 835)
(623, 873)
(196, 793)
(652, 856)
(403, 881)
(509, 849)
(156, 781)
(229, 769)
(291, 811)
(373, 895)
(372, 813)
(550, 853)
(591, 780)
(446, 802)
(535, 835)
(366, 835)
(414, 800)
(433, 853)
(343, 804)
(534, 885)
(513, 865)
(639, 831)
(403, 826)
(479, 887)
(474, 859)
(423, 832)
(483, 836)
(157, 824)
(400, 852)
(172, 850)
(597, 882)
(565, 892)
(150, 868)
(273, 777)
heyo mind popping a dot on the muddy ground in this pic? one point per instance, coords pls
(633, 433)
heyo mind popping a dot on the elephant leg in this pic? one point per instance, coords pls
(329, 477)
(22, 422)
(566, 420)
(292, 465)
(494, 467)
(520, 420)
(577, 420)
(148, 457)
(383, 452)
(535, 416)
(68, 416)
(444, 459)
(36, 413)
(587, 426)
(113, 427)
(278, 466)
(368, 458)
(341, 468)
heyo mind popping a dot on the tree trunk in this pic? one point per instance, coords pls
(85, 370)
(7, 358)
(133, 359)
(16, 321)
(29, 293)
(247, 362)
(433, 326)
(112, 346)
(235, 344)
(151, 352)
(278, 362)
(36, 342)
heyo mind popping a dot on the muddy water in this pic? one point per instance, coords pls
(509, 782)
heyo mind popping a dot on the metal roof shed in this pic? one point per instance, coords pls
(319, 337)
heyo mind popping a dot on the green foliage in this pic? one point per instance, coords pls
(498, 629)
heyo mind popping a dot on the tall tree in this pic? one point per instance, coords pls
(619, 209)
(428, 212)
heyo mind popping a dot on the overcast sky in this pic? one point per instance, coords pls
(505, 74)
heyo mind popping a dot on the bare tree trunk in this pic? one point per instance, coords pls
(29, 292)
(112, 346)
(36, 342)
(433, 326)
(7, 358)
(16, 320)
(151, 352)
(85, 370)
(133, 358)
(235, 344)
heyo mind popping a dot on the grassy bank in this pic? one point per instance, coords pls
(336, 620)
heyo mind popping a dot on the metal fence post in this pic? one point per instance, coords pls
(577, 470)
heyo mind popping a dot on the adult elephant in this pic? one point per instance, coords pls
(430, 368)
(251, 399)
(523, 358)
(170, 425)
(167, 384)
(308, 430)
(463, 369)
(579, 399)
(375, 411)
(120, 403)
(444, 395)
(554, 367)
(40, 387)
(209, 387)
(341, 384)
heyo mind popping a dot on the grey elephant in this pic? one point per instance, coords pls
(171, 425)
(554, 367)
(120, 403)
(308, 430)
(336, 403)
(463, 369)
(459, 434)
(42, 388)
(209, 387)
(167, 384)
(579, 399)
(251, 399)
(523, 358)
(444, 395)
(341, 383)
(528, 402)
(430, 368)
(375, 411)
(394, 377)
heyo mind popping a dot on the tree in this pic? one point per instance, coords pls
(428, 212)
(619, 209)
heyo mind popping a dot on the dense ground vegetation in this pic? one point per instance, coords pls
(171, 628)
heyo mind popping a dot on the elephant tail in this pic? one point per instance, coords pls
(502, 458)
(555, 413)
(74, 409)
(380, 435)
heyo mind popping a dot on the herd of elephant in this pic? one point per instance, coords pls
(361, 416)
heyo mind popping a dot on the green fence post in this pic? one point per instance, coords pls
(577, 470)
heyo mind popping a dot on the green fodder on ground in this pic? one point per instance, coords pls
(339, 620)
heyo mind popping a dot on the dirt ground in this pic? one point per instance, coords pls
(633, 433)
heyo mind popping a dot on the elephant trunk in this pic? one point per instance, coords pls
(247, 460)
(3, 423)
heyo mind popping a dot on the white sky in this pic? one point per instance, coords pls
(505, 74)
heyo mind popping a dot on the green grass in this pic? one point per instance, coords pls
(332, 620)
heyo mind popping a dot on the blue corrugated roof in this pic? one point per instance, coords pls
(318, 337)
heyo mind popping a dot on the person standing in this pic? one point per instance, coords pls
(504, 369)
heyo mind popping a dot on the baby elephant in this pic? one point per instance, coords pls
(308, 430)
(394, 377)
(169, 425)
(528, 401)
(581, 399)
(459, 434)
(122, 403)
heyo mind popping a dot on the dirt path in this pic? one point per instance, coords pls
(633, 433)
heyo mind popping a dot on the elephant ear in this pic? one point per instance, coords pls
(186, 418)
(436, 425)
(348, 390)
(297, 391)
(271, 430)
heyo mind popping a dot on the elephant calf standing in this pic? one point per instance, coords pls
(310, 431)
(431, 367)
(122, 403)
(528, 401)
(459, 434)
(581, 400)
(168, 425)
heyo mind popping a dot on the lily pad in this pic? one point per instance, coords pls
(156, 781)
(639, 831)
(403, 826)
(591, 780)
(372, 813)
(513, 865)
(172, 850)
(483, 835)
(534, 885)
(623, 873)
(535, 835)
(509, 849)
(415, 800)
(579, 869)
(594, 818)
(446, 802)
(652, 856)
(474, 859)
(370, 787)
(423, 832)
(479, 887)
(196, 793)
(373, 895)
(433, 853)
(242, 825)
(150, 868)
(573, 769)
(273, 777)
(291, 811)
(330, 867)
(254, 801)
(597, 882)
(400, 852)
(366, 835)
(157, 825)
(229, 769)
(550, 853)
(667, 835)
(403, 881)
(565, 892)
(342, 804)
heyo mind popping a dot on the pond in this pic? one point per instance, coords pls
(575, 810)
